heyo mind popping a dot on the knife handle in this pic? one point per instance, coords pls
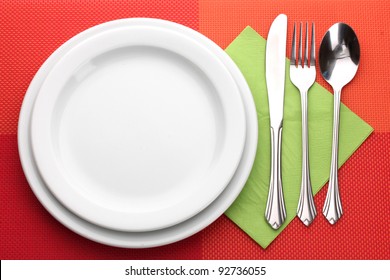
(275, 212)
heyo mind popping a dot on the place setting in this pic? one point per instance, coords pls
(141, 132)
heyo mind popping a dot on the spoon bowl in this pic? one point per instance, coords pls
(339, 60)
(339, 55)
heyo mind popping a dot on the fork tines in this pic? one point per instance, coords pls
(312, 50)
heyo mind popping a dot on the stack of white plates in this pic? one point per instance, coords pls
(137, 133)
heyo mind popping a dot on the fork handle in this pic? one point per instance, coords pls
(275, 210)
(306, 209)
(332, 207)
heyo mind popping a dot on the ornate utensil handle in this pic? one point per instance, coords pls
(306, 209)
(275, 212)
(332, 207)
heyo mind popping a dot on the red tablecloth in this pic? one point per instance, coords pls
(31, 30)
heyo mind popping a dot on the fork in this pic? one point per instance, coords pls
(303, 78)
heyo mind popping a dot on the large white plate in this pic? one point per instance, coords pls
(135, 239)
(138, 128)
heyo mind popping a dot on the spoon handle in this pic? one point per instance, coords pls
(306, 209)
(332, 207)
(275, 210)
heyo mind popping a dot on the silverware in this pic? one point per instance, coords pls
(303, 78)
(275, 74)
(339, 60)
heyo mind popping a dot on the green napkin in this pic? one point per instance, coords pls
(248, 52)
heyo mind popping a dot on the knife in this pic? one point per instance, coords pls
(275, 67)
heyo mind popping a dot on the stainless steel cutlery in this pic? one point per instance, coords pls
(339, 60)
(275, 75)
(303, 77)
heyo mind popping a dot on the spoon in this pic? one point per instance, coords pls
(339, 57)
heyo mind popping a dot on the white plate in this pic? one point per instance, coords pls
(138, 128)
(135, 239)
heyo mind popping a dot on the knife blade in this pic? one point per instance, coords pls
(275, 67)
